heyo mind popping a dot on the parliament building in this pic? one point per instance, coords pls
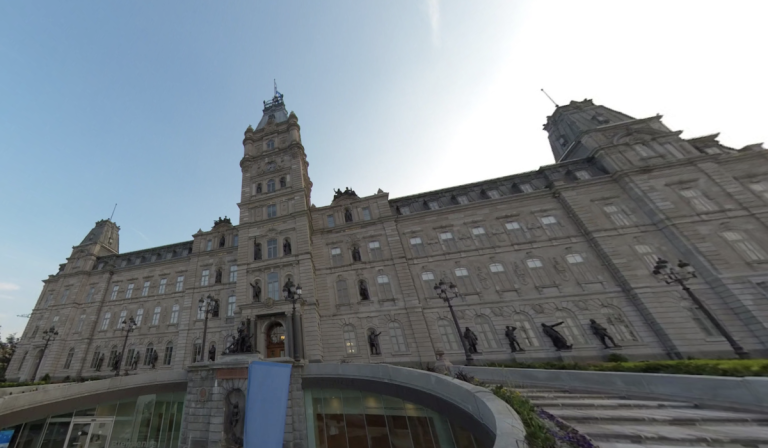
(571, 242)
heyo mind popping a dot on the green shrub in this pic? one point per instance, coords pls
(711, 367)
(616, 357)
(536, 433)
(46, 379)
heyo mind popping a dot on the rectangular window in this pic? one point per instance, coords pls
(463, 199)
(481, 238)
(405, 210)
(617, 215)
(200, 313)
(208, 245)
(80, 323)
(331, 221)
(494, 194)
(417, 247)
(121, 320)
(385, 287)
(366, 214)
(534, 263)
(513, 226)
(271, 211)
(548, 220)
(174, 314)
(747, 248)
(89, 297)
(582, 174)
(139, 316)
(232, 274)
(49, 299)
(273, 286)
(646, 252)
(342, 294)
(760, 188)
(446, 238)
(64, 296)
(698, 201)
(115, 289)
(129, 291)
(179, 283)
(156, 315)
(526, 188)
(161, 289)
(574, 258)
(231, 304)
(643, 151)
(271, 248)
(204, 277)
(672, 149)
(145, 289)
(462, 280)
(105, 322)
(551, 226)
(375, 250)
(235, 240)
(337, 259)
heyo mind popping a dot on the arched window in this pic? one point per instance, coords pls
(233, 273)
(525, 334)
(485, 332)
(70, 355)
(500, 277)
(570, 328)
(271, 186)
(342, 294)
(231, 304)
(168, 356)
(350, 339)
(385, 288)
(463, 281)
(428, 279)
(197, 351)
(96, 356)
(149, 354)
(617, 325)
(270, 144)
(397, 337)
(448, 335)
(282, 182)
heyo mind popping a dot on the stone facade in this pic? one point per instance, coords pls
(569, 242)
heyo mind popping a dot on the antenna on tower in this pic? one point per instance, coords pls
(550, 98)
(275, 81)
(113, 212)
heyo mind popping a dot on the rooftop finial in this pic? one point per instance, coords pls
(277, 93)
(550, 98)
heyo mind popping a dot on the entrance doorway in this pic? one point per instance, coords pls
(276, 341)
(89, 433)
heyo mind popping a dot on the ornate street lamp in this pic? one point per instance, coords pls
(207, 306)
(49, 336)
(294, 295)
(441, 289)
(670, 275)
(128, 326)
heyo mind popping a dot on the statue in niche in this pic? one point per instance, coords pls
(558, 340)
(218, 275)
(234, 418)
(286, 247)
(560, 269)
(347, 215)
(116, 362)
(212, 353)
(258, 188)
(135, 361)
(483, 278)
(602, 333)
(99, 362)
(373, 342)
(153, 360)
(520, 274)
(256, 290)
(471, 338)
(282, 182)
(215, 310)
(222, 241)
(363, 289)
(510, 334)
(356, 254)
(257, 251)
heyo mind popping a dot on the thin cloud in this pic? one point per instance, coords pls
(4, 286)
(433, 12)
(4, 297)
(141, 234)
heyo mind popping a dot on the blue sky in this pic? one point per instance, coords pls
(144, 104)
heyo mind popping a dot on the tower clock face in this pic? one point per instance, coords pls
(271, 166)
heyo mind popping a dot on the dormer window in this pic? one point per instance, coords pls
(271, 143)
(600, 119)
(582, 174)
(526, 188)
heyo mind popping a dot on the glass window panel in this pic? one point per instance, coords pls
(336, 431)
(378, 436)
(356, 432)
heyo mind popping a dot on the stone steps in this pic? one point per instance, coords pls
(616, 422)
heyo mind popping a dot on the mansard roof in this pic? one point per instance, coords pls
(151, 255)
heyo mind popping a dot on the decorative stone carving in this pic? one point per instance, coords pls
(484, 282)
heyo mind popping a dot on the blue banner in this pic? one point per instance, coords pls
(266, 404)
(5, 437)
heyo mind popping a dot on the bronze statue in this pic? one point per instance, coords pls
(347, 215)
(116, 362)
(218, 275)
(364, 294)
(215, 310)
(135, 362)
(153, 359)
(286, 247)
(356, 254)
(212, 353)
(471, 338)
(234, 418)
(510, 334)
(258, 188)
(222, 241)
(558, 340)
(602, 333)
(373, 342)
(256, 291)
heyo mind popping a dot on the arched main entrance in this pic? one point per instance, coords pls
(276, 341)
